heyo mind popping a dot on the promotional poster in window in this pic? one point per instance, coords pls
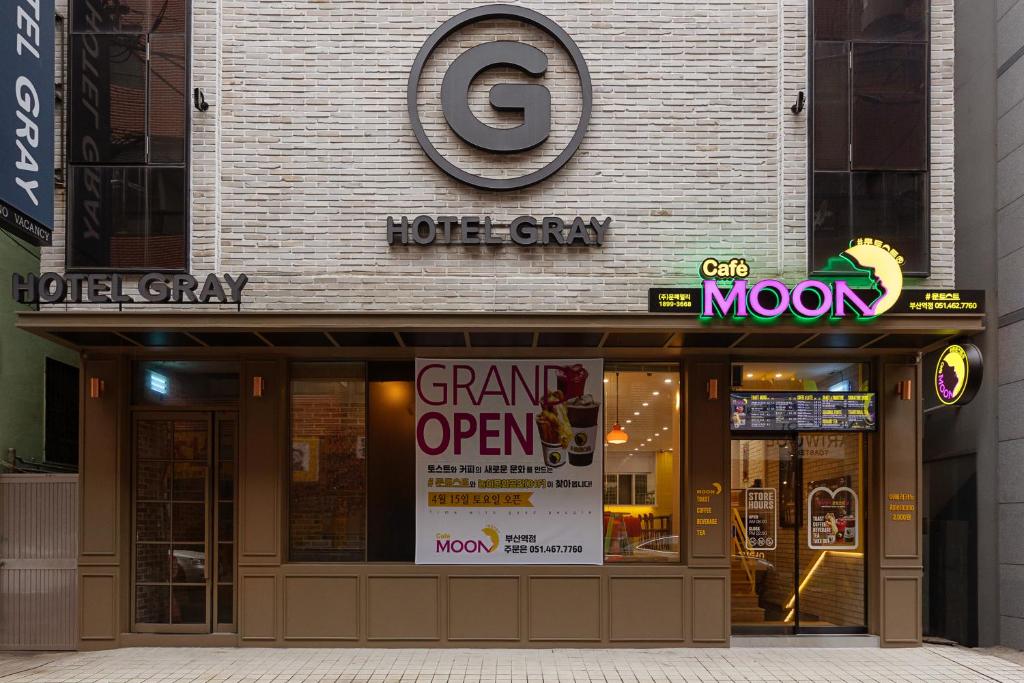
(508, 461)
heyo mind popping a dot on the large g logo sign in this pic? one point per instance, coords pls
(532, 99)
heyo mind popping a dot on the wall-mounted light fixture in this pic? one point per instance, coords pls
(712, 389)
(257, 386)
(199, 100)
(905, 389)
(799, 105)
(95, 387)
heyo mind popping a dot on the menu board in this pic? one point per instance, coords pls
(804, 411)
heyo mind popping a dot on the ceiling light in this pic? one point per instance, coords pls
(750, 375)
(636, 412)
(668, 380)
(778, 375)
(656, 392)
(617, 435)
(606, 380)
(645, 404)
(629, 422)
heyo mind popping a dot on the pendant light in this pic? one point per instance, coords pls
(617, 435)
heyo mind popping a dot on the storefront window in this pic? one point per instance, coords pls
(327, 481)
(641, 474)
(870, 127)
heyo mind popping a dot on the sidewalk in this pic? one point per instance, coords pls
(167, 665)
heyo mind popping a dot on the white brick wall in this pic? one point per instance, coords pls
(691, 150)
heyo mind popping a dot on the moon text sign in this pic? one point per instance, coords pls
(958, 374)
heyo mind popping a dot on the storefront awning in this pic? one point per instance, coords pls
(409, 334)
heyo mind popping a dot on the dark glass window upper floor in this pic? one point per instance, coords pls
(870, 128)
(128, 135)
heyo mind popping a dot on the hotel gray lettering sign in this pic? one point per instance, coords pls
(483, 231)
(152, 288)
(26, 119)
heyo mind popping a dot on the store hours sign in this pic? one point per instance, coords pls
(508, 461)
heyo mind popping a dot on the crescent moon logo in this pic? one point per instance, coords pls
(886, 270)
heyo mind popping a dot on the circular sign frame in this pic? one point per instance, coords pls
(973, 370)
(500, 12)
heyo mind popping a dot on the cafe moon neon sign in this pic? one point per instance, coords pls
(726, 293)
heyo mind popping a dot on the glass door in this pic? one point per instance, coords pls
(764, 513)
(830, 595)
(183, 526)
(797, 555)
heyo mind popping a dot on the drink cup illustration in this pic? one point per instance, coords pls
(583, 414)
(554, 437)
(572, 380)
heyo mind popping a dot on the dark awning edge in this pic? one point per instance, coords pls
(399, 334)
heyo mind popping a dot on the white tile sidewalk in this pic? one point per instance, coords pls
(813, 665)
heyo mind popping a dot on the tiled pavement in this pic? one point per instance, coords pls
(817, 665)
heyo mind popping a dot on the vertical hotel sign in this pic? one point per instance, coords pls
(508, 461)
(26, 119)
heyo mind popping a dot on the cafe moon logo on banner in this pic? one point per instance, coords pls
(530, 99)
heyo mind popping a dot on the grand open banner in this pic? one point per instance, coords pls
(508, 461)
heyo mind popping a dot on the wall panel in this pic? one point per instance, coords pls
(260, 480)
(321, 607)
(483, 608)
(98, 470)
(710, 615)
(706, 499)
(646, 608)
(901, 468)
(901, 608)
(98, 599)
(403, 607)
(258, 607)
(565, 608)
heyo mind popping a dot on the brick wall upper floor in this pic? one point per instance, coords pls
(692, 151)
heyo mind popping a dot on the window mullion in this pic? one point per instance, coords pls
(849, 107)
(149, 86)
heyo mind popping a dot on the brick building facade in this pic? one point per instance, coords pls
(697, 145)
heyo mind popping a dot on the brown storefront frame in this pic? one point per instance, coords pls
(279, 602)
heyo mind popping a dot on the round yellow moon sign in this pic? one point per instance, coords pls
(957, 374)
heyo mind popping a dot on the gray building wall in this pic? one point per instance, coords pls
(1009, 147)
(961, 441)
(989, 169)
